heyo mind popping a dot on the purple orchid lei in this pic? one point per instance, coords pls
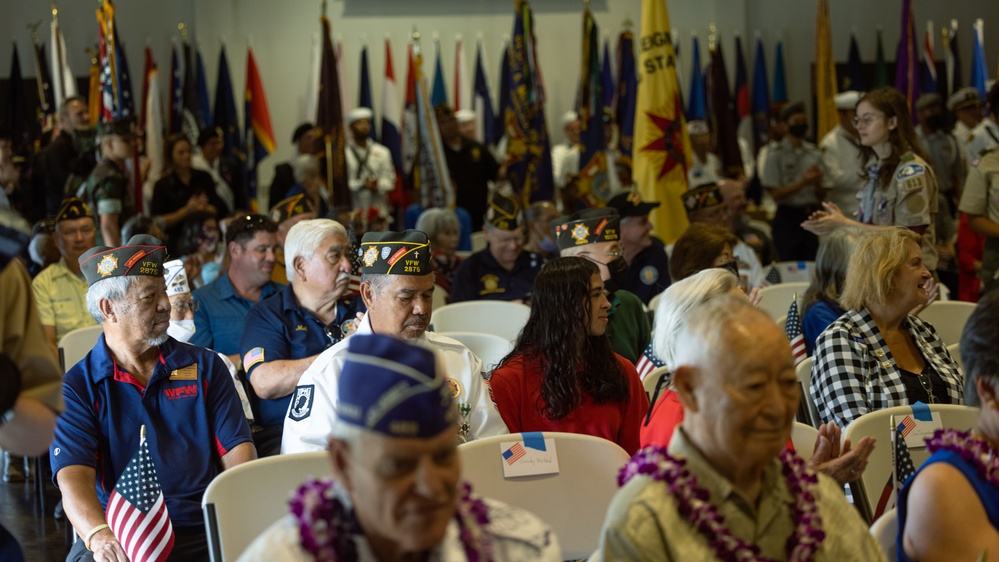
(692, 503)
(326, 526)
(976, 451)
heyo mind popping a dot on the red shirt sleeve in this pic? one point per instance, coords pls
(634, 409)
(508, 393)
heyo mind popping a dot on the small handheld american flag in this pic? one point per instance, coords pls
(773, 275)
(354, 285)
(792, 327)
(136, 510)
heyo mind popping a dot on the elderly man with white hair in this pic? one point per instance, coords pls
(141, 394)
(370, 172)
(726, 488)
(397, 286)
(396, 491)
(285, 332)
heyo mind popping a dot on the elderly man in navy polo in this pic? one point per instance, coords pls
(138, 376)
(285, 332)
(397, 286)
(503, 271)
(396, 491)
(224, 303)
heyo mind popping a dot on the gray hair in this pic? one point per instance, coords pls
(113, 289)
(676, 303)
(708, 328)
(978, 347)
(433, 221)
(304, 164)
(304, 238)
(378, 281)
(831, 262)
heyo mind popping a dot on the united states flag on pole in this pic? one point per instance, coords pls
(792, 327)
(137, 513)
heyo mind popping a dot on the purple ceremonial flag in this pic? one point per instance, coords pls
(907, 59)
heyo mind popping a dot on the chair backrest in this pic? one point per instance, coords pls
(504, 319)
(491, 349)
(243, 501)
(775, 299)
(874, 493)
(574, 501)
(885, 531)
(955, 352)
(782, 321)
(440, 297)
(803, 437)
(795, 271)
(478, 241)
(808, 410)
(652, 379)
(949, 318)
(74, 346)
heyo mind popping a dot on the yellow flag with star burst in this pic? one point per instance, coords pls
(662, 148)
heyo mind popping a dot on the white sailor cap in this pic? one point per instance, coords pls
(358, 114)
(569, 117)
(464, 115)
(962, 98)
(847, 99)
(697, 127)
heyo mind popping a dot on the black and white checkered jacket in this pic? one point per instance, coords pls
(854, 372)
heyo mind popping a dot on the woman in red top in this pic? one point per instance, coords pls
(562, 375)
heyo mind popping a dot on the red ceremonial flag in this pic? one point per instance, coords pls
(136, 512)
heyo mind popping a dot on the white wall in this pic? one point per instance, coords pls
(282, 34)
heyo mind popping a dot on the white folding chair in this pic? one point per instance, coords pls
(491, 349)
(795, 271)
(782, 321)
(651, 380)
(478, 241)
(75, 345)
(803, 438)
(955, 352)
(440, 297)
(885, 531)
(776, 299)
(501, 318)
(243, 501)
(878, 478)
(809, 412)
(574, 501)
(948, 318)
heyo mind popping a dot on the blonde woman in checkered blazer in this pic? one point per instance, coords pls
(879, 354)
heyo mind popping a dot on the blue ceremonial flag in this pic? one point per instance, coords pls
(364, 91)
(906, 58)
(627, 95)
(439, 93)
(854, 79)
(760, 99)
(607, 78)
(979, 72)
(203, 105)
(529, 160)
(593, 186)
(780, 81)
(430, 172)
(697, 102)
(482, 103)
(504, 93)
(929, 70)
(225, 116)
(176, 92)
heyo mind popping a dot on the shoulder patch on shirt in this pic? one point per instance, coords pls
(909, 171)
(252, 357)
(301, 403)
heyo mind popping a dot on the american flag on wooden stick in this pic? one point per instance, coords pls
(136, 510)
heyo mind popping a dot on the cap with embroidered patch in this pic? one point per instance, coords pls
(291, 207)
(630, 204)
(503, 211)
(707, 195)
(395, 253)
(73, 208)
(392, 387)
(141, 255)
(588, 226)
(176, 278)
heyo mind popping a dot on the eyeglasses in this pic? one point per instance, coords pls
(866, 120)
(333, 332)
(185, 305)
(927, 384)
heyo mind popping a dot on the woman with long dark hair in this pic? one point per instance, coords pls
(183, 190)
(563, 375)
(901, 188)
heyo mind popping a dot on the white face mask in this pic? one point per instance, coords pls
(181, 330)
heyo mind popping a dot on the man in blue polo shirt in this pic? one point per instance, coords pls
(224, 303)
(137, 376)
(503, 271)
(285, 332)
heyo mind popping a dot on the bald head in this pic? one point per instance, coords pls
(733, 194)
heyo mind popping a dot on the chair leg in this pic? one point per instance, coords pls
(39, 485)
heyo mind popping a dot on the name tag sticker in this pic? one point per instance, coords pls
(189, 373)
(530, 457)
